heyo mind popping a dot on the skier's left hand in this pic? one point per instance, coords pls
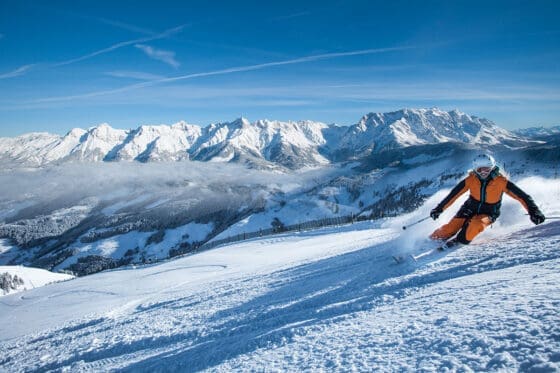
(435, 213)
(536, 216)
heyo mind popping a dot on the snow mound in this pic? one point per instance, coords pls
(15, 279)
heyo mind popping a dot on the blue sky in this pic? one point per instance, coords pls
(67, 64)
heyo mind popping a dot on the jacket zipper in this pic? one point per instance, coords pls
(482, 194)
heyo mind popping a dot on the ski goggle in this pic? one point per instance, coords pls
(484, 170)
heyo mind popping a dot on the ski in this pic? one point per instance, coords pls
(445, 246)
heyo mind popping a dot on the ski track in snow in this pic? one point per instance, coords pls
(267, 305)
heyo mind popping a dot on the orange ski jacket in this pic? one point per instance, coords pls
(486, 195)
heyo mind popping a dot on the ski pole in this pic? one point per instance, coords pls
(416, 222)
(549, 217)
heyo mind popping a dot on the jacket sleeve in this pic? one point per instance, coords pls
(516, 193)
(455, 193)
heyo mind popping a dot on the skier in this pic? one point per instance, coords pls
(486, 186)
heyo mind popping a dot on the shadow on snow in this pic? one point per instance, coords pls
(304, 296)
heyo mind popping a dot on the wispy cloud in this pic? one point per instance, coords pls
(1, 36)
(134, 75)
(164, 56)
(314, 97)
(232, 70)
(17, 72)
(317, 57)
(125, 26)
(122, 25)
(291, 16)
(162, 35)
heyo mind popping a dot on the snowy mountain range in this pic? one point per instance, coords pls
(263, 143)
(538, 132)
(407, 127)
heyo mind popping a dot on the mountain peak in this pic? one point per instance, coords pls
(184, 125)
(241, 122)
(76, 133)
(100, 127)
(106, 132)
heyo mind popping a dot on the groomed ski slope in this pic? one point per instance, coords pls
(329, 300)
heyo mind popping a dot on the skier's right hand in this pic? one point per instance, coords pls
(435, 213)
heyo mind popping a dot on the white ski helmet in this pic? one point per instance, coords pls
(484, 160)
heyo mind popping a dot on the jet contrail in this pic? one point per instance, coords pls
(162, 35)
(230, 70)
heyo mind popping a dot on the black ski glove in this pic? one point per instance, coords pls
(435, 213)
(536, 216)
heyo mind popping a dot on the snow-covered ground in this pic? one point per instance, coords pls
(30, 278)
(330, 300)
